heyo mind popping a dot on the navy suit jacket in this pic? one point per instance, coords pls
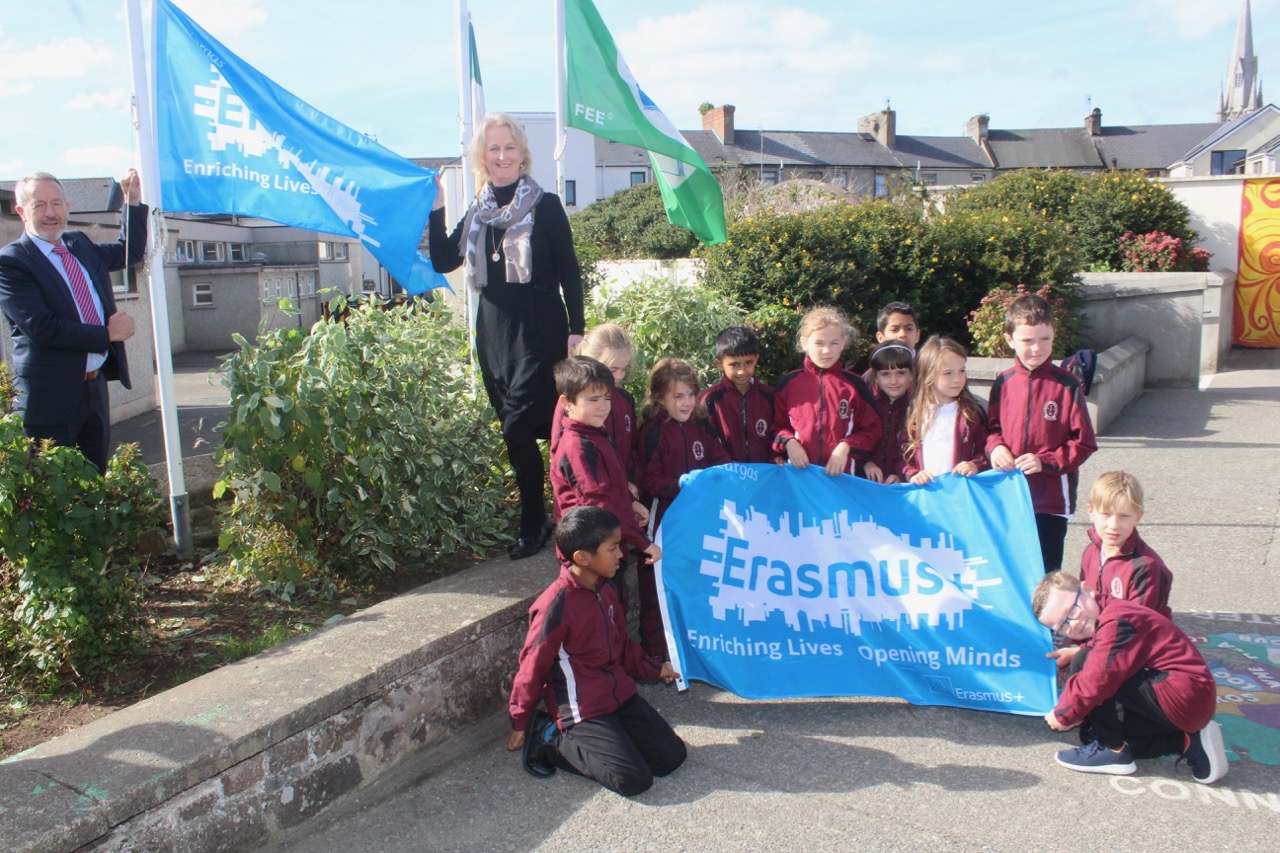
(50, 343)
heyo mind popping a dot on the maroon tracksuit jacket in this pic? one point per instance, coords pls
(577, 655)
(586, 471)
(893, 422)
(742, 422)
(1043, 412)
(823, 408)
(1129, 638)
(670, 449)
(620, 425)
(970, 445)
(1135, 574)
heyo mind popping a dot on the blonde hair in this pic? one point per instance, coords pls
(664, 376)
(1054, 580)
(820, 318)
(480, 142)
(604, 339)
(928, 368)
(1114, 487)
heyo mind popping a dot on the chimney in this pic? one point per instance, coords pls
(881, 125)
(978, 128)
(1093, 122)
(720, 121)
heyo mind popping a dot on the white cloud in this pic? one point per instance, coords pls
(99, 159)
(114, 100)
(751, 55)
(65, 59)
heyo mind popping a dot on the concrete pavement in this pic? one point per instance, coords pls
(202, 405)
(871, 774)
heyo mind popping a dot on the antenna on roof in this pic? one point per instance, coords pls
(1088, 102)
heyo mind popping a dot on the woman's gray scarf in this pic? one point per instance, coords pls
(517, 220)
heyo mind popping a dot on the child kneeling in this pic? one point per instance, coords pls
(579, 658)
(1138, 687)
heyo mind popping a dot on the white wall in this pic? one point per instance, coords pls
(1215, 214)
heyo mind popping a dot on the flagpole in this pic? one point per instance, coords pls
(468, 180)
(179, 505)
(561, 96)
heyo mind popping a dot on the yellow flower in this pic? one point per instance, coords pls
(908, 241)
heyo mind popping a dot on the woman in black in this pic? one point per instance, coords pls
(516, 251)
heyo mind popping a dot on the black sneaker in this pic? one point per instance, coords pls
(1096, 758)
(536, 742)
(1206, 754)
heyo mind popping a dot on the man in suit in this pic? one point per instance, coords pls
(68, 337)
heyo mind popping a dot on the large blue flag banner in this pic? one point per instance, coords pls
(778, 582)
(232, 141)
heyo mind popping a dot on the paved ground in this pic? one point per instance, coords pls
(202, 405)
(874, 775)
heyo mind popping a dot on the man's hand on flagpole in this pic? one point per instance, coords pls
(131, 186)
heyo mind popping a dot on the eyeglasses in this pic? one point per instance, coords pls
(1072, 615)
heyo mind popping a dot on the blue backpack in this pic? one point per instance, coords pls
(1082, 364)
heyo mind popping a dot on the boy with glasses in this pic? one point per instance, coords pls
(1138, 685)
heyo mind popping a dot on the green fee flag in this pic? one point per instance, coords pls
(605, 100)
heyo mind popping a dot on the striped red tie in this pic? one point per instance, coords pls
(80, 287)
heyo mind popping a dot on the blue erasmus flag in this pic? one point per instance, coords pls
(780, 582)
(232, 141)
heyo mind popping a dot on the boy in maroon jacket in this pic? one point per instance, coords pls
(585, 468)
(1037, 422)
(740, 406)
(1138, 685)
(579, 659)
(1117, 563)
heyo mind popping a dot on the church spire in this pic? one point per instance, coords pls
(1243, 89)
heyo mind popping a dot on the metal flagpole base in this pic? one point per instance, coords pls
(180, 508)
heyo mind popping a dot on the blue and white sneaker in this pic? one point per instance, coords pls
(1096, 758)
(1206, 754)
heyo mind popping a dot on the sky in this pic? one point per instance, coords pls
(388, 68)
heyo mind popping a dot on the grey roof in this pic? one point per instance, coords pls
(436, 162)
(1058, 147)
(1151, 146)
(85, 195)
(1268, 147)
(1224, 131)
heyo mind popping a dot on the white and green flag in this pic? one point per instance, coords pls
(477, 85)
(605, 100)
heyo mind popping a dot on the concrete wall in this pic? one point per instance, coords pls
(1185, 317)
(237, 307)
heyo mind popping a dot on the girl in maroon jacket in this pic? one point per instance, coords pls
(824, 414)
(946, 429)
(893, 378)
(674, 440)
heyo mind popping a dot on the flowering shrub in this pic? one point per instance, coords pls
(986, 322)
(1159, 252)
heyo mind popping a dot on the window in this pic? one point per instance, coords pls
(125, 281)
(768, 177)
(570, 193)
(340, 251)
(326, 251)
(307, 285)
(638, 178)
(266, 290)
(279, 288)
(881, 189)
(239, 252)
(1227, 162)
(840, 179)
(928, 177)
(978, 177)
(185, 252)
(202, 294)
(211, 253)
(333, 251)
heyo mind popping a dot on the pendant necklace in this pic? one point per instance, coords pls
(495, 257)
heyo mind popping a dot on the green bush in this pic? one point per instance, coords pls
(68, 604)
(663, 319)
(1096, 210)
(630, 224)
(967, 253)
(856, 257)
(356, 445)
